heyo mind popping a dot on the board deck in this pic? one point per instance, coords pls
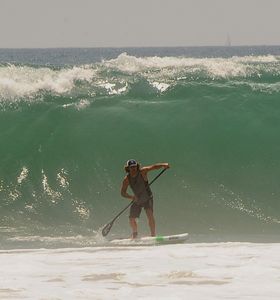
(150, 240)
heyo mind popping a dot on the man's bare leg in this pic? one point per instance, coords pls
(151, 220)
(133, 225)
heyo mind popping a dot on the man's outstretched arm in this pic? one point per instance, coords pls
(155, 167)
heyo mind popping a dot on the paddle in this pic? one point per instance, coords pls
(106, 229)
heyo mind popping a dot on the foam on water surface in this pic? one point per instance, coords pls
(192, 271)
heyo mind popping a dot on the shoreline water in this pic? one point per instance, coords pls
(51, 242)
(195, 271)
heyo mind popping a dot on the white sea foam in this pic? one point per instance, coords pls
(23, 175)
(62, 178)
(161, 86)
(81, 209)
(216, 67)
(16, 81)
(113, 89)
(25, 81)
(188, 271)
(54, 195)
(81, 105)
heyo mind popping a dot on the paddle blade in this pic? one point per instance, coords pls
(106, 229)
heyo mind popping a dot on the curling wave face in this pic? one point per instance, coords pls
(67, 130)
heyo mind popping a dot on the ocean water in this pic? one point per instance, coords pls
(69, 120)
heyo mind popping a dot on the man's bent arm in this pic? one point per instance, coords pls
(124, 190)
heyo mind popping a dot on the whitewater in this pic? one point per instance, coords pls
(189, 271)
(70, 119)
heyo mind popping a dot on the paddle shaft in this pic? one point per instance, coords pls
(107, 227)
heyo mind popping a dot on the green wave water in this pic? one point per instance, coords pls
(66, 132)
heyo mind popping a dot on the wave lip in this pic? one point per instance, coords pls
(126, 73)
(218, 67)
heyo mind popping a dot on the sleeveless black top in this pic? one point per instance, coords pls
(140, 188)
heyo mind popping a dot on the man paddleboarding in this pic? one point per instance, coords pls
(137, 179)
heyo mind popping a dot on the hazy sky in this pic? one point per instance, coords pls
(117, 23)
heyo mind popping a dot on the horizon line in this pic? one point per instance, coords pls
(133, 47)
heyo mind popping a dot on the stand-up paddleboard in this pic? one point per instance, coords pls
(152, 240)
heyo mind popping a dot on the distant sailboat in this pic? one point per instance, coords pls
(228, 41)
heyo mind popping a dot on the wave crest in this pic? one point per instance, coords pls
(120, 75)
(217, 67)
(24, 81)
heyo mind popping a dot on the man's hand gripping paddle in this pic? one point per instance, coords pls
(106, 229)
